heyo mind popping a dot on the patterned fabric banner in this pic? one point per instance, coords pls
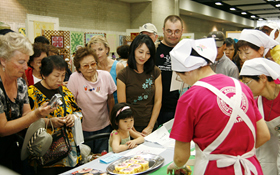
(22, 31)
(39, 26)
(77, 38)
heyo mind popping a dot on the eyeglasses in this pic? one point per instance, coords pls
(170, 32)
(86, 66)
(178, 78)
(248, 82)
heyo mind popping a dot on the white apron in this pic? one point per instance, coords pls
(268, 154)
(203, 157)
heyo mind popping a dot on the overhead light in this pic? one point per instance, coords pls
(253, 16)
(218, 3)
(243, 13)
(260, 19)
(277, 5)
(232, 9)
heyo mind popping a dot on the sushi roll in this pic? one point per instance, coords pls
(130, 162)
(137, 167)
(144, 164)
(127, 171)
(121, 166)
(137, 158)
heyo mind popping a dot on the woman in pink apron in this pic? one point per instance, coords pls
(218, 113)
(262, 76)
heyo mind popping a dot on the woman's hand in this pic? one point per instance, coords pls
(131, 144)
(148, 130)
(57, 122)
(70, 120)
(44, 110)
(172, 166)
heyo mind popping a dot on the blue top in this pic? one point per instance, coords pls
(113, 73)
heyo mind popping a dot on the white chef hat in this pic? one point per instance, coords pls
(259, 66)
(257, 38)
(183, 61)
(272, 25)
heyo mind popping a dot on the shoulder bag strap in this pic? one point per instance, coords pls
(64, 105)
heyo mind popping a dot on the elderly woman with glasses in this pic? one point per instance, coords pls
(15, 112)
(262, 76)
(93, 90)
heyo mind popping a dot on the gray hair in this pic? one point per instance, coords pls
(12, 42)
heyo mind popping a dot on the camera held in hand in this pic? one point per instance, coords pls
(56, 99)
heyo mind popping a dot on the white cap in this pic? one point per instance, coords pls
(148, 27)
(259, 66)
(257, 38)
(183, 61)
(272, 25)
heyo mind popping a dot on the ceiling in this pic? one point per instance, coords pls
(261, 9)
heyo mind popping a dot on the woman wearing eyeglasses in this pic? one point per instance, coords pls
(260, 75)
(93, 91)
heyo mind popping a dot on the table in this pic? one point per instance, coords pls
(167, 155)
(95, 164)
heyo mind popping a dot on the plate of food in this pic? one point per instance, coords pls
(136, 164)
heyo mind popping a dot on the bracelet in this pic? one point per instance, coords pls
(182, 167)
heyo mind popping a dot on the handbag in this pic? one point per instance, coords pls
(60, 147)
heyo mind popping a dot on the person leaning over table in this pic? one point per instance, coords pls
(93, 90)
(218, 113)
(15, 112)
(139, 84)
(260, 75)
(53, 71)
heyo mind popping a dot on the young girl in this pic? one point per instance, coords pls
(122, 121)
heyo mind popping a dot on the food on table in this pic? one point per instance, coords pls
(137, 167)
(134, 165)
(144, 164)
(84, 170)
(127, 171)
(130, 162)
(137, 158)
(121, 166)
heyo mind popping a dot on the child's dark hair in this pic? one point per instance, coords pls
(122, 112)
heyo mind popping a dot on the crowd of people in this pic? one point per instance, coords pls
(230, 109)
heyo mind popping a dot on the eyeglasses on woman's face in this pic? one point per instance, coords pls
(248, 82)
(178, 78)
(86, 66)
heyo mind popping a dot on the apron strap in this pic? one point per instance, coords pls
(234, 102)
(260, 106)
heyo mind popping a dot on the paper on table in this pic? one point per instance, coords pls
(143, 149)
(168, 125)
(110, 158)
(160, 136)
